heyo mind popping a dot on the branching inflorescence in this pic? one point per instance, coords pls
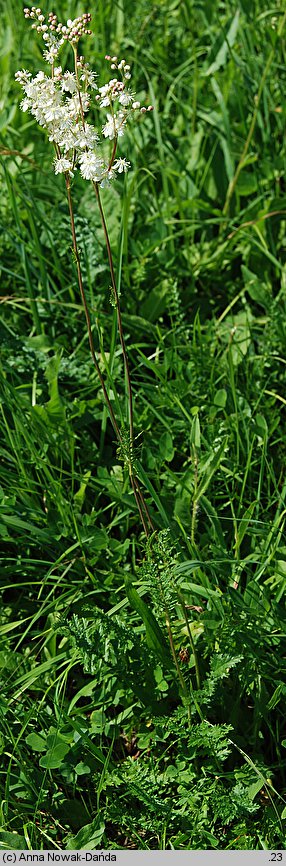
(60, 102)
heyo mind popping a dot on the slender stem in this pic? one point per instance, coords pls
(87, 316)
(140, 501)
(112, 158)
(119, 319)
(144, 504)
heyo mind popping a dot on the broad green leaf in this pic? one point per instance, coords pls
(220, 398)
(154, 635)
(254, 789)
(247, 183)
(53, 412)
(82, 769)
(166, 447)
(12, 841)
(88, 837)
(256, 288)
(156, 302)
(195, 436)
(40, 342)
(37, 743)
(54, 757)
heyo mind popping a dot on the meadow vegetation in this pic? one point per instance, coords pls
(142, 700)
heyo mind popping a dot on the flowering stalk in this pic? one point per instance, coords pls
(59, 102)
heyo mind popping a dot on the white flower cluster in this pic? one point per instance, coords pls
(59, 102)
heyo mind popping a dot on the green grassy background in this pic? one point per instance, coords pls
(96, 747)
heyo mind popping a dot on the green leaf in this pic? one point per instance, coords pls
(156, 302)
(228, 42)
(196, 433)
(53, 412)
(210, 467)
(154, 635)
(89, 836)
(149, 486)
(256, 288)
(79, 496)
(12, 841)
(276, 697)
(244, 523)
(220, 398)
(166, 447)
(54, 757)
(254, 789)
(82, 769)
(214, 519)
(40, 343)
(37, 743)
(247, 183)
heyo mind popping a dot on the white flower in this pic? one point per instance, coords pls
(91, 166)
(105, 95)
(76, 104)
(114, 125)
(69, 82)
(25, 105)
(126, 97)
(51, 54)
(121, 165)
(109, 129)
(107, 177)
(88, 77)
(23, 76)
(53, 113)
(61, 165)
(85, 137)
